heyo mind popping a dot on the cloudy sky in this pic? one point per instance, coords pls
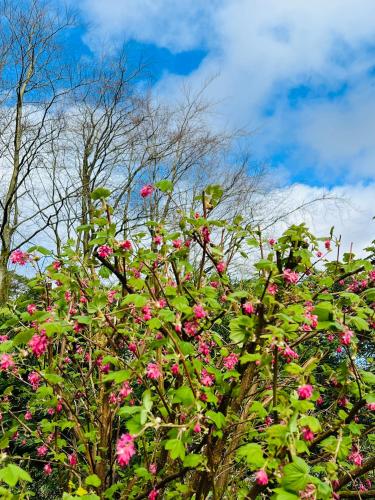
(300, 74)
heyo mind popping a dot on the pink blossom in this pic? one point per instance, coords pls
(319, 254)
(214, 284)
(289, 354)
(206, 234)
(72, 459)
(175, 369)
(104, 251)
(206, 378)
(47, 469)
(153, 371)
(38, 344)
(111, 296)
(305, 391)
(320, 400)
(355, 457)
(221, 266)
(31, 308)
(161, 303)
(132, 346)
(125, 390)
(307, 434)
(51, 411)
(272, 289)
(28, 415)
(125, 449)
(290, 276)
(42, 450)
(177, 243)
(199, 311)
(197, 428)
(3, 338)
(126, 245)
(147, 190)
(248, 308)
(343, 401)
(204, 348)
(34, 379)
(157, 239)
(230, 361)
(153, 468)
(6, 362)
(346, 337)
(271, 242)
(146, 310)
(261, 477)
(327, 244)
(19, 257)
(190, 328)
(371, 406)
(153, 494)
(56, 265)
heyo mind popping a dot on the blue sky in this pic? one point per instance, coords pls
(299, 74)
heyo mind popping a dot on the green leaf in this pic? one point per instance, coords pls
(296, 475)
(100, 193)
(311, 422)
(118, 376)
(93, 480)
(249, 358)
(217, 417)
(147, 400)
(281, 494)
(358, 324)
(164, 185)
(136, 299)
(42, 250)
(193, 460)
(11, 474)
(184, 395)
(23, 337)
(240, 328)
(176, 448)
(53, 378)
(367, 377)
(253, 454)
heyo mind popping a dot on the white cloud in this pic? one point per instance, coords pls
(261, 49)
(350, 210)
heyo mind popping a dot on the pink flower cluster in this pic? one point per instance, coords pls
(290, 276)
(261, 477)
(305, 391)
(34, 379)
(19, 257)
(153, 371)
(6, 362)
(147, 190)
(230, 361)
(199, 312)
(38, 344)
(206, 378)
(248, 308)
(125, 449)
(105, 251)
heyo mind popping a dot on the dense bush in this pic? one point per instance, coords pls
(142, 372)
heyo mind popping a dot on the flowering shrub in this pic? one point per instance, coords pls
(141, 373)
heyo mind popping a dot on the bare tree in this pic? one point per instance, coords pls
(33, 84)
